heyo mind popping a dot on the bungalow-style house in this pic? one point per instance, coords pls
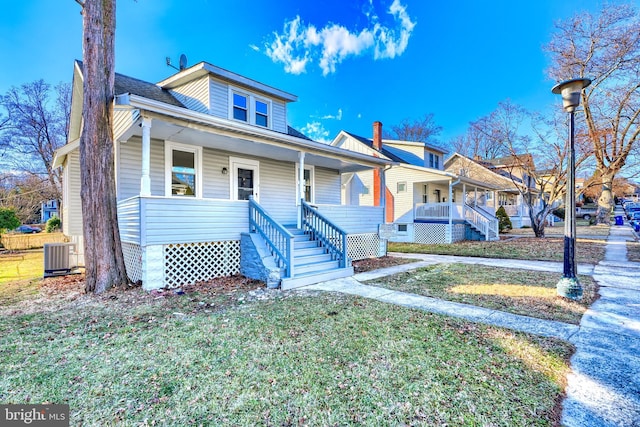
(211, 181)
(505, 174)
(425, 203)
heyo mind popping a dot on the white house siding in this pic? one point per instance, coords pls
(327, 182)
(359, 191)
(130, 168)
(414, 154)
(194, 95)
(353, 145)
(219, 98)
(180, 220)
(402, 202)
(216, 185)
(72, 219)
(122, 121)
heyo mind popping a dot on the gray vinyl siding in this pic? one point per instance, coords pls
(194, 95)
(182, 220)
(74, 208)
(278, 190)
(279, 116)
(327, 182)
(216, 185)
(130, 168)
(129, 220)
(219, 98)
(354, 219)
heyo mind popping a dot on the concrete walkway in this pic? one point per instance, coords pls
(604, 386)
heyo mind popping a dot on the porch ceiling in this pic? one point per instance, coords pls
(200, 135)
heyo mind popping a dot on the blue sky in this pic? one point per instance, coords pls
(350, 62)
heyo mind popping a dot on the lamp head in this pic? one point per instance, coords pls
(570, 91)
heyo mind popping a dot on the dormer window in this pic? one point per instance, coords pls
(434, 161)
(262, 113)
(249, 108)
(240, 107)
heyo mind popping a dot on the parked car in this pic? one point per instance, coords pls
(585, 213)
(28, 229)
(634, 218)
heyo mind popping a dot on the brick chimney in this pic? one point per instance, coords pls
(377, 135)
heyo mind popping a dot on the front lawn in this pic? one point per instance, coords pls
(19, 275)
(515, 291)
(246, 356)
(588, 251)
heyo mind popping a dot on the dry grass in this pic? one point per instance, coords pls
(514, 291)
(234, 354)
(583, 229)
(633, 251)
(588, 251)
(369, 264)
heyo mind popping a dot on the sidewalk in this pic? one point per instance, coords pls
(604, 386)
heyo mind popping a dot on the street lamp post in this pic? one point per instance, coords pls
(569, 286)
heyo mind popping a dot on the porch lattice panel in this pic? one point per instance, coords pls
(458, 233)
(362, 246)
(132, 260)
(186, 263)
(430, 233)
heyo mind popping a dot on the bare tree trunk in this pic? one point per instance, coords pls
(103, 251)
(605, 202)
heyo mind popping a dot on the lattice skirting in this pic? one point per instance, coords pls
(132, 260)
(431, 233)
(186, 263)
(362, 246)
(458, 233)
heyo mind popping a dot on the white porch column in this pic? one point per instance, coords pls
(475, 197)
(383, 194)
(450, 203)
(300, 186)
(145, 181)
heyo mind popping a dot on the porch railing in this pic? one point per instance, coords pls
(278, 239)
(432, 210)
(330, 236)
(487, 226)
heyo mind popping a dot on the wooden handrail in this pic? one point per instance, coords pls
(331, 237)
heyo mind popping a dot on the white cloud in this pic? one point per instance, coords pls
(300, 44)
(334, 117)
(254, 47)
(317, 132)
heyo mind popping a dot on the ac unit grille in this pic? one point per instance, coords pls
(56, 258)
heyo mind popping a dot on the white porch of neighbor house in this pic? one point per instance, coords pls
(455, 219)
(171, 238)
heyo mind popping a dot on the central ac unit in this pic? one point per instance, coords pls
(56, 259)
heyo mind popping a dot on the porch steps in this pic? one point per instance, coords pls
(312, 264)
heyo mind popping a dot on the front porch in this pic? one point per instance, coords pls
(169, 242)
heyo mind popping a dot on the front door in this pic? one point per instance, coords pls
(245, 180)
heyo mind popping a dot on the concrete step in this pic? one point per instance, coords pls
(316, 250)
(316, 267)
(304, 279)
(304, 244)
(303, 260)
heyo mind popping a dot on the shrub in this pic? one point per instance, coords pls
(504, 222)
(8, 220)
(53, 224)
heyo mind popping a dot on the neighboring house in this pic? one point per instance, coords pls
(505, 174)
(211, 181)
(424, 202)
(48, 210)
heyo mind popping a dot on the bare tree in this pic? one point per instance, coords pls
(35, 127)
(486, 137)
(420, 130)
(606, 49)
(104, 261)
(24, 194)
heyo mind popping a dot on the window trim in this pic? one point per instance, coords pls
(251, 107)
(404, 187)
(233, 106)
(312, 178)
(234, 163)
(169, 147)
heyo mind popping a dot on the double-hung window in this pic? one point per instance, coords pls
(183, 170)
(248, 108)
(434, 161)
(240, 107)
(262, 113)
